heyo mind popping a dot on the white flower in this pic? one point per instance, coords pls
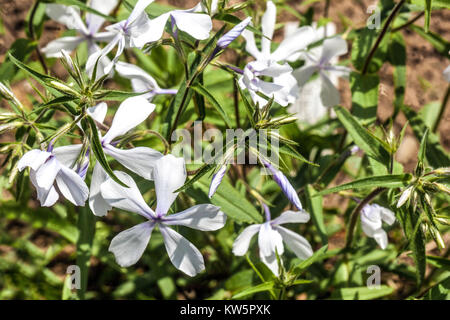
(133, 32)
(200, 7)
(447, 73)
(129, 245)
(141, 81)
(70, 17)
(372, 217)
(320, 59)
(284, 86)
(49, 166)
(192, 21)
(309, 107)
(271, 237)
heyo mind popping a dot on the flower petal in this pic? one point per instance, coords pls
(268, 27)
(33, 159)
(204, 217)
(53, 48)
(269, 240)
(98, 205)
(67, 155)
(98, 112)
(250, 45)
(67, 15)
(93, 21)
(304, 74)
(299, 245)
(292, 217)
(169, 174)
(297, 41)
(216, 180)
(329, 94)
(131, 113)
(129, 245)
(196, 25)
(72, 186)
(242, 242)
(46, 174)
(271, 262)
(128, 199)
(183, 254)
(333, 47)
(285, 185)
(140, 160)
(138, 9)
(381, 238)
(48, 197)
(92, 60)
(370, 220)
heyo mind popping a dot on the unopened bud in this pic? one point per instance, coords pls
(63, 88)
(405, 196)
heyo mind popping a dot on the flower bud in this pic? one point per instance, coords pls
(216, 180)
(235, 32)
(63, 88)
(405, 196)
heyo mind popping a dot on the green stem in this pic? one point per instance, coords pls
(410, 22)
(33, 37)
(355, 214)
(442, 110)
(382, 34)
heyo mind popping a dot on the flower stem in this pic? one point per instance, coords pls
(355, 214)
(382, 34)
(33, 36)
(442, 110)
(410, 22)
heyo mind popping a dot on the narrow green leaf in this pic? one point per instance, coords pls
(364, 139)
(204, 92)
(362, 293)
(314, 205)
(364, 96)
(97, 149)
(318, 255)
(266, 286)
(386, 181)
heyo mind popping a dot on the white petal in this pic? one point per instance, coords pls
(98, 205)
(404, 196)
(98, 112)
(33, 159)
(141, 81)
(140, 160)
(292, 217)
(67, 155)
(138, 9)
(297, 41)
(381, 238)
(250, 45)
(129, 245)
(69, 16)
(157, 27)
(329, 94)
(72, 186)
(92, 60)
(195, 24)
(268, 27)
(53, 48)
(271, 262)
(299, 245)
(131, 113)
(204, 217)
(93, 21)
(48, 197)
(128, 199)
(140, 32)
(183, 254)
(370, 220)
(242, 242)
(447, 74)
(46, 174)
(169, 174)
(303, 74)
(386, 215)
(269, 240)
(333, 47)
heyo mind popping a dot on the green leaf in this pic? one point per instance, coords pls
(314, 205)
(397, 58)
(435, 153)
(385, 181)
(204, 92)
(115, 95)
(439, 43)
(365, 40)
(98, 151)
(364, 96)
(200, 173)
(364, 139)
(290, 151)
(86, 225)
(41, 78)
(317, 256)
(225, 197)
(266, 286)
(21, 48)
(440, 291)
(427, 14)
(362, 293)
